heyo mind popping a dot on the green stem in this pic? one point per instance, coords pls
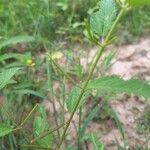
(98, 56)
(79, 128)
(47, 132)
(35, 147)
(19, 127)
(28, 116)
(50, 88)
(63, 100)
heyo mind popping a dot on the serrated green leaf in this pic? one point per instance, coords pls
(116, 85)
(138, 2)
(6, 75)
(73, 96)
(40, 125)
(15, 40)
(42, 112)
(5, 129)
(102, 20)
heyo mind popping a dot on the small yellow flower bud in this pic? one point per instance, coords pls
(30, 63)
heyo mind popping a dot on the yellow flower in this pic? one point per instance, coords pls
(30, 63)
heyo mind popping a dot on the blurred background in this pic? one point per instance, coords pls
(50, 20)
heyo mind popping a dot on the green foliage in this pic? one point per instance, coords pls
(116, 85)
(111, 84)
(102, 20)
(5, 129)
(31, 17)
(144, 122)
(138, 2)
(22, 58)
(89, 119)
(97, 144)
(134, 24)
(114, 115)
(40, 125)
(6, 75)
(15, 40)
(30, 92)
(89, 34)
(73, 96)
(107, 63)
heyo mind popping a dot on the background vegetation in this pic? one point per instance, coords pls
(48, 20)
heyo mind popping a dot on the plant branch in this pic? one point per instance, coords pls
(50, 88)
(28, 116)
(98, 56)
(47, 132)
(35, 147)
